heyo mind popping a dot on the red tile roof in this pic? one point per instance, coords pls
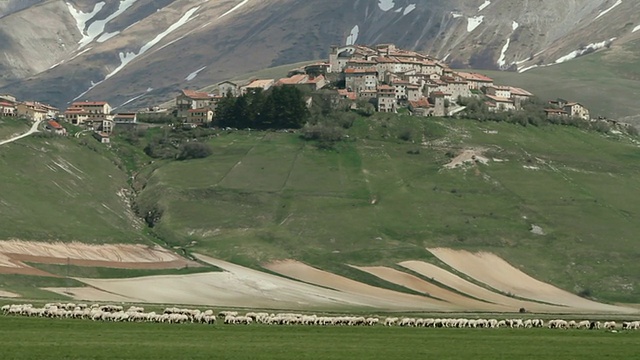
(519, 91)
(6, 104)
(474, 77)
(54, 124)
(422, 103)
(294, 80)
(360, 71)
(499, 99)
(88, 103)
(192, 94)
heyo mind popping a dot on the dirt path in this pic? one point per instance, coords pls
(497, 273)
(33, 129)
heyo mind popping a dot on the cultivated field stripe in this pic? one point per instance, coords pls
(497, 273)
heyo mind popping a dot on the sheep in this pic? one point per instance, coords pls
(585, 324)
(610, 325)
(390, 321)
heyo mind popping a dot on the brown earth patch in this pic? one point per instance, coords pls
(14, 254)
(495, 272)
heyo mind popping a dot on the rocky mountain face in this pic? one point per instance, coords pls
(133, 53)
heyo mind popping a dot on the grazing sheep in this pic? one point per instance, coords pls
(610, 325)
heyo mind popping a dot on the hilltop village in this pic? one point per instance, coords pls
(383, 77)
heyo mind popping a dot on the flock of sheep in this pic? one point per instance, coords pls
(173, 315)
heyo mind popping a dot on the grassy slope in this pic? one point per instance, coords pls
(608, 82)
(30, 338)
(55, 189)
(265, 196)
(12, 126)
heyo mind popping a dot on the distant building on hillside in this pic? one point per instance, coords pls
(191, 100)
(54, 127)
(87, 111)
(575, 109)
(7, 109)
(258, 84)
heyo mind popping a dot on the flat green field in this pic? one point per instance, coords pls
(28, 338)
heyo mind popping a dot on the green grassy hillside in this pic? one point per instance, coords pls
(379, 197)
(267, 195)
(11, 126)
(53, 189)
(608, 82)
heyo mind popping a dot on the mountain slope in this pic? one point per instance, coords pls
(139, 51)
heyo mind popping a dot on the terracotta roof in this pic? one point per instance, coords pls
(422, 103)
(360, 71)
(75, 110)
(88, 103)
(384, 59)
(294, 80)
(260, 83)
(196, 94)
(361, 61)
(474, 77)
(54, 124)
(555, 111)
(499, 99)
(351, 95)
(519, 91)
(316, 79)
(6, 104)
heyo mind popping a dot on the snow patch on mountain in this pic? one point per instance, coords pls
(130, 100)
(126, 58)
(353, 36)
(97, 27)
(82, 18)
(609, 9)
(527, 68)
(386, 5)
(106, 36)
(503, 55)
(409, 9)
(243, 3)
(484, 5)
(194, 74)
(515, 26)
(474, 22)
(591, 47)
(635, 29)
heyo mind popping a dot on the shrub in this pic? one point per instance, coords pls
(194, 150)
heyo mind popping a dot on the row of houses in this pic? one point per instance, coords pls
(390, 77)
(12, 107)
(197, 107)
